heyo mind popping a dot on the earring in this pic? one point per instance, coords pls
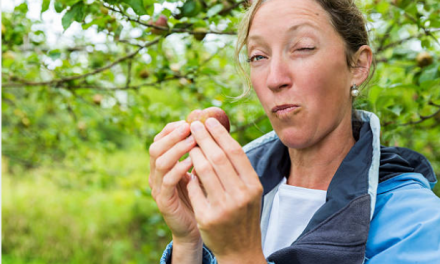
(354, 90)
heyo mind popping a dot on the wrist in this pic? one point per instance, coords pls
(251, 258)
(190, 252)
(188, 244)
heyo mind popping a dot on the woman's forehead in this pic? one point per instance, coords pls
(283, 15)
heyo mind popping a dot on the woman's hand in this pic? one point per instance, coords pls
(227, 205)
(168, 181)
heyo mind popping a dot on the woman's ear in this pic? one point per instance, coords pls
(363, 60)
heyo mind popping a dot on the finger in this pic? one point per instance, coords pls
(233, 151)
(169, 159)
(168, 129)
(172, 178)
(155, 152)
(217, 157)
(158, 148)
(161, 145)
(197, 198)
(207, 176)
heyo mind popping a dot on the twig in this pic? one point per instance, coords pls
(127, 84)
(422, 118)
(165, 29)
(384, 37)
(22, 82)
(427, 31)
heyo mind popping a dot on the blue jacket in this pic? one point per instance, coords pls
(379, 206)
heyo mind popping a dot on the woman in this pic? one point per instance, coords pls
(320, 188)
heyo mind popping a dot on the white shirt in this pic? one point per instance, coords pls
(292, 209)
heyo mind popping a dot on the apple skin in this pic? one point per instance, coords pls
(215, 112)
(160, 22)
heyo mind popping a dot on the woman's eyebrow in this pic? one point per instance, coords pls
(258, 38)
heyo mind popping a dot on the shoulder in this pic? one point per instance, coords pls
(406, 222)
(260, 142)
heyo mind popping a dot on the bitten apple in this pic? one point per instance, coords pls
(215, 112)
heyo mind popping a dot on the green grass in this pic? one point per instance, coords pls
(95, 212)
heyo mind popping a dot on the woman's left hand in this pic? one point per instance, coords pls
(227, 207)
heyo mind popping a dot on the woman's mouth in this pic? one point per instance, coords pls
(286, 109)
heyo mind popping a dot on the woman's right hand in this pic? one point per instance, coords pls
(168, 179)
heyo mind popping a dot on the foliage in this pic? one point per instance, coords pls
(55, 215)
(123, 75)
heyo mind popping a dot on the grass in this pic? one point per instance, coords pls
(94, 211)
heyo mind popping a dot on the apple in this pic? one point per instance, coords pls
(215, 112)
(199, 33)
(103, 10)
(160, 22)
(424, 59)
(144, 74)
(97, 99)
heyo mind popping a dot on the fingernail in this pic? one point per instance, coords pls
(196, 126)
(189, 140)
(211, 122)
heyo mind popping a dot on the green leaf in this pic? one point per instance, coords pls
(54, 54)
(75, 13)
(45, 6)
(426, 43)
(191, 8)
(137, 6)
(59, 7)
(396, 109)
(214, 10)
(22, 8)
(429, 74)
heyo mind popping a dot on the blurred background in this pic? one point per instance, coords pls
(86, 84)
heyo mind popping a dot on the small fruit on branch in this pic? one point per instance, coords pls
(215, 112)
(160, 22)
(424, 59)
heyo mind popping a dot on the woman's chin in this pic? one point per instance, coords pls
(295, 139)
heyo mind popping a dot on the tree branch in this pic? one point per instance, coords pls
(399, 42)
(22, 82)
(165, 29)
(384, 37)
(422, 118)
(425, 30)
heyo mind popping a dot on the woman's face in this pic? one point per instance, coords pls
(299, 71)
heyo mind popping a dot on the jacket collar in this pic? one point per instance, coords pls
(343, 221)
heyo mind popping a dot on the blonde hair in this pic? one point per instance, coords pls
(345, 17)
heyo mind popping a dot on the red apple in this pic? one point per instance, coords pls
(160, 22)
(215, 112)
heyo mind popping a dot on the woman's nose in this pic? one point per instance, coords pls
(279, 74)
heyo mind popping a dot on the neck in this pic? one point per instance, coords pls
(315, 166)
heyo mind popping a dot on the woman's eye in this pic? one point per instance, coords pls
(255, 58)
(306, 49)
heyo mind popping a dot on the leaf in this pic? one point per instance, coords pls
(75, 13)
(45, 6)
(137, 6)
(429, 74)
(59, 7)
(214, 10)
(191, 8)
(54, 54)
